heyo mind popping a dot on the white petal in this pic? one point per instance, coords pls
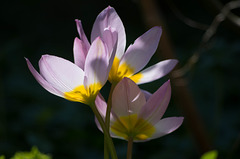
(45, 84)
(156, 71)
(166, 126)
(138, 55)
(109, 18)
(60, 73)
(96, 64)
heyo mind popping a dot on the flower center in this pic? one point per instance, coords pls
(132, 127)
(118, 72)
(82, 94)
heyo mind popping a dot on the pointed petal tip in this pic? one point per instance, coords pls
(172, 61)
(158, 29)
(97, 39)
(181, 119)
(43, 57)
(78, 21)
(110, 8)
(127, 80)
(167, 82)
(76, 39)
(175, 60)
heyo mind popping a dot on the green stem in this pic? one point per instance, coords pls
(129, 149)
(107, 120)
(107, 137)
(109, 107)
(106, 152)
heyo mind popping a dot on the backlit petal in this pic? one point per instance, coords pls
(80, 52)
(157, 104)
(110, 39)
(60, 73)
(154, 72)
(127, 98)
(82, 35)
(109, 18)
(101, 105)
(166, 126)
(96, 64)
(45, 84)
(138, 55)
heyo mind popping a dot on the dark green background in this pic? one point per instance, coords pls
(30, 116)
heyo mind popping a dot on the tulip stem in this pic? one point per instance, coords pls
(106, 152)
(107, 120)
(129, 149)
(109, 107)
(107, 138)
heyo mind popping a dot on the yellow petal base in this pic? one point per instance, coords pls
(132, 127)
(82, 94)
(118, 72)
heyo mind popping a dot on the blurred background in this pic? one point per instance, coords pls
(206, 90)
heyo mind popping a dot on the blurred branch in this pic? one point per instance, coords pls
(185, 19)
(207, 36)
(181, 92)
(217, 6)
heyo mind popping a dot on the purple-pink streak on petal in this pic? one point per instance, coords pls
(45, 84)
(127, 98)
(157, 104)
(80, 53)
(82, 35)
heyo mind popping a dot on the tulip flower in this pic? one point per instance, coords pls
(66, 79)
(130, 63)
(135, 117)
(82, 45)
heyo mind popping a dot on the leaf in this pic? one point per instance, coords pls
(34, 154)
(210, 155)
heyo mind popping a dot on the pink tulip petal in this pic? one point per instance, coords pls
(127, 98)
(109, 18)
(101, 105)
(110, 38)
(60, 73)
(166, 126)
(96, 64)
(156, 71)
(42, 81)
(80, 53)
(82, 34)
(157, 104)
(138, 55)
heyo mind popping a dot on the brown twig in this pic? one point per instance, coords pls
(181, 92)
(186, 20)
(219, 18)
